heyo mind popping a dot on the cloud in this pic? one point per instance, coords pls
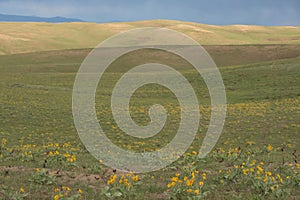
(39, 8)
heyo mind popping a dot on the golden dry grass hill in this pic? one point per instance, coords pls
(20, 37)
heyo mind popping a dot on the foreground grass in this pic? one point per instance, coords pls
(41, 156)
(257, 173)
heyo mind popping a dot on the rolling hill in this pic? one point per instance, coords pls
(23, 37)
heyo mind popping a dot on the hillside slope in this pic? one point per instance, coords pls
(21, 37)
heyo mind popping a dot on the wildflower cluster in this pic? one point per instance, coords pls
(187, 185)
(3, 147)
(53, 153)
(66, 193)
(63, 154)
(42, 177)
(121, 186)
(8, 193)
(265, 180)
(231, 154)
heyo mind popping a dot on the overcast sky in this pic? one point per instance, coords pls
(260, 12)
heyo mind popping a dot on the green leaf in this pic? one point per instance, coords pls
(117, 194)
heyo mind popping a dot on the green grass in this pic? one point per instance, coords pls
(263, 94)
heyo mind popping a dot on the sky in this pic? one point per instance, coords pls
(219, 12)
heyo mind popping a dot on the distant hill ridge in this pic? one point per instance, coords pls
(20, 18)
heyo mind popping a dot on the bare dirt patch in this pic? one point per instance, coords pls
(246, 28)
(191, 27)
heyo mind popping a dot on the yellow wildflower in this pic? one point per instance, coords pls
(74, 157)
(126, 182)
(259, 168)
(56, 197)
(189, 182)
(112, 179)
(193, 175)
(22, 190)
(66, 188)
(175, 179)
(250, 143)
(67, 155)
(269, 173)
(281, 181)
(135, 178)
(278, 176)
(269, 147)
(258, 172)
(4, 141)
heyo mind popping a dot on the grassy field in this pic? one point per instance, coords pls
(257, 156)
(42, 157)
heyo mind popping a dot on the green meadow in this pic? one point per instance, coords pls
(256, 157)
